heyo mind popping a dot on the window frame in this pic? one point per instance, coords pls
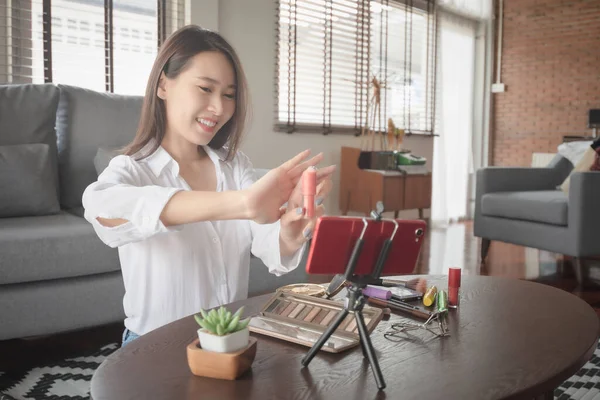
(17, 44)
(281, 125)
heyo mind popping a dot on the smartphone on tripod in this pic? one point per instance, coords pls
(334, 238)
(363, 249)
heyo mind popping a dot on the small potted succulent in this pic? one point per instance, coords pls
(221, 331)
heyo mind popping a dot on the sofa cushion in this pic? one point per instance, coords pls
(86, 121)
(561, 166)
(544, 206)
(26, 181)
(28, 115)
(103, 157)
(51, 247)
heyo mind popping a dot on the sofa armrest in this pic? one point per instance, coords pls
(510, 179)
(584, 211)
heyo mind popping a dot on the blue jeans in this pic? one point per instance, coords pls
(128, 336)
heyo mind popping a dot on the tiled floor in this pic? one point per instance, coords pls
(453, 245)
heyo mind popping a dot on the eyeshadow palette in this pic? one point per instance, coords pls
(303, 319)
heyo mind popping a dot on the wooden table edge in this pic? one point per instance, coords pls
(547, 388)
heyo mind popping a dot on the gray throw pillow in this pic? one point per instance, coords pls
(103, 157)
(26, 181)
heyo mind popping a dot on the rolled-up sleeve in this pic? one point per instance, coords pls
(265, 237)
(116, 195)
(265, 245)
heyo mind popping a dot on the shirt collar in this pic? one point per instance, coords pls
(216, 154)
(161, 159)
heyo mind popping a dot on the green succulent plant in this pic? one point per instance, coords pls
(221, 322)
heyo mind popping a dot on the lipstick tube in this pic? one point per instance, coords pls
(309, 190)
(454, 287)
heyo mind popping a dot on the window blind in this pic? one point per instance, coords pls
(103, 45)
(329, 51)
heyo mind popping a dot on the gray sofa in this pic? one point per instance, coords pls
(523, 206)
(55, 274)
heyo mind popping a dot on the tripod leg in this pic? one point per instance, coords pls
(368, 347)
(317, 346)
(364, 351)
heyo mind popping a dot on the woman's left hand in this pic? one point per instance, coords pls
(296, 226)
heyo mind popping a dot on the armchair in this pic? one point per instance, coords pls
(523, 206)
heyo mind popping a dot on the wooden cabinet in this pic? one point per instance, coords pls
(360, 190)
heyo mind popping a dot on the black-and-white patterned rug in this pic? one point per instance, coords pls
(585, 384)
(70, 380)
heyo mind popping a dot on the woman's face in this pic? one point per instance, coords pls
(201, 99)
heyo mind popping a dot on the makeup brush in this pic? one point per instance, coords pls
(418, 284)
(339, 281)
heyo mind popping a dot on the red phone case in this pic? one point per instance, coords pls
(334, 238)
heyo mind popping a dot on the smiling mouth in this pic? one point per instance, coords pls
(206, 124)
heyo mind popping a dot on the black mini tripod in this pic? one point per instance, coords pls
(355, 300)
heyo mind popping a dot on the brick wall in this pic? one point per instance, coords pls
(551, 69)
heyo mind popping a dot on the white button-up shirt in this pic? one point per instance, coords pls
(172, 272)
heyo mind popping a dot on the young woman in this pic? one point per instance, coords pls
(182, 203)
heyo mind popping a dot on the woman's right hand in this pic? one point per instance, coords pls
(265, 198)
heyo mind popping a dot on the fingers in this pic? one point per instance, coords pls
(325, 172)
(324, 188)
(300, 168)
(322, 173)
(319, 211)
(282, 212)
(296, 194)
(305, 225)
(294, 161)
(294, 214)
(308, 230)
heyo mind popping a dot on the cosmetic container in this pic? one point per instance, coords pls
(454, 275)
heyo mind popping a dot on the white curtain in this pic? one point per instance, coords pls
(452, 153)
(448, 249)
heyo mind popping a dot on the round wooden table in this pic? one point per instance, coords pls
(509, 339)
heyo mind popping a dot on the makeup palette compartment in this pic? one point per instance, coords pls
(303, 319)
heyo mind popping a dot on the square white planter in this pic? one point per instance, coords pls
(223, 344)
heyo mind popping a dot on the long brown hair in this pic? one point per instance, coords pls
(172, 59)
